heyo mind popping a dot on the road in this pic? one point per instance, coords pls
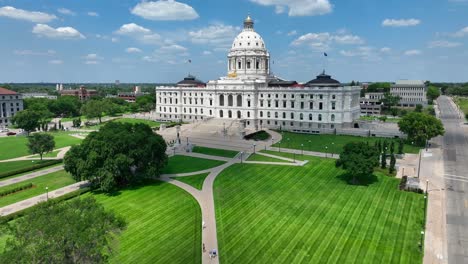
(455, 153)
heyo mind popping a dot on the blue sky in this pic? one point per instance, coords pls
(151, 41)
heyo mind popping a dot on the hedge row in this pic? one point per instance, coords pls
(68, 196)
(30, 168)
(16, 189)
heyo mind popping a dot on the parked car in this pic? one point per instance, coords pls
(11, 133)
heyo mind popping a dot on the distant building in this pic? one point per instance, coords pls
(39, 95)
(59, 87)
(10, 103)
(132, 96)
(82, 93)
(370, 104)
(411, 92)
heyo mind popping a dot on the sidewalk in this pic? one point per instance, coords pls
(30, 176)
(21, 205)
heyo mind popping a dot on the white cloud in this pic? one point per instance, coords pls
(114, 40)
(364, 52)
(292, 33)
(461, 33)
(20, 14)
(93, 14)
(164, 10)
(65, 11)
(218, 35)
(401, 22)
(413, 52)
(34, 53)
(56, 62)
(443, 44)
(57, 33)
(173, 48)
(91, 62)
(132, 29)
(133, 50)
(299, 7)
(92, 56)
(206, 52)
(385, 50)
(322, 41)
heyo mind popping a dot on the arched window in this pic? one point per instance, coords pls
(248, 64)
(248, 114)
(301, 116)
(230, 114)
(239, 115)
(258, 65)
(333, 118)
(310, 117)
(220, 113)
(221, 100)
(276, 114)
(185, 110)
(261, 113)
(239, 65)
(284, 115)
(230, 100)
(239, 100)
(292, 115)
(320, 117)
(268, 114)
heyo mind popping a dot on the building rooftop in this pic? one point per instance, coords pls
(4, 91)
(191, 81)
(323, 79)
(409, 82)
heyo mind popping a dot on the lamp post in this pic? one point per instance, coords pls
(422, 240)
(326, 151)
(288, 143)
(47, 193)
(242, 153)
(254, 148)
(309, 145)
(302, 149)
(333, 147)
(419, 165)
(279, 146)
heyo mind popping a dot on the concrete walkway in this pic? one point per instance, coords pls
(29, 176)
(60, 155)
(12, 208)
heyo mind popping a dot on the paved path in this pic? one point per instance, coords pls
(12, 208)
(60, 155)
(308, 153)
(29, 176)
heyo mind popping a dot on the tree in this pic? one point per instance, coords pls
(65, 106)
(383, 160)
(146, 102)
(117, 155)
(94, 109)
(78, 231)
(420, 127)
(27, 120)
(389, 100)
(418, 108)
(76, 122)
(432, 93)
(359, 160)
(383, 118)
(391, 169)
(401, 144)
(392, 147)
(40, 143)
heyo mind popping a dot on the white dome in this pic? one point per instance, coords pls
(248, 40)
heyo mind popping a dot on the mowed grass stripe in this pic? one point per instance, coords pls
(288, 214)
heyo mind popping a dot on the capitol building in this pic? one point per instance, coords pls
(258, 99)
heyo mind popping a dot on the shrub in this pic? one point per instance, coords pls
(30, 168)
(259, 135)
(16, 189)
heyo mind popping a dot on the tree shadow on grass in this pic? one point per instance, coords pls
(362, 181)
(131, 187)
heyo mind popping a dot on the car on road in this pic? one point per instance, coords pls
(11, 133)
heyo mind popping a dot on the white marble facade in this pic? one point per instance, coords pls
(252, 95)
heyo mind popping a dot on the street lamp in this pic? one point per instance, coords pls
(254, 148)
(422, 240)
(419, 165)
(279, 146)
(288, 143)
(47, 193)
(326, 151)
(333, 147)
(309, 146)
(242, 153)
(302, 149)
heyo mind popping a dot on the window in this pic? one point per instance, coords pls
(321, 96)
(248, 103)
(220, 113)
(276, 114)
(292, 95)
(292, 104)
(211, 102)
(302, 105)
(261, 113)
(310, 117)
(221, 100)
(211, 112)
(333, 118)
(302, 96)
(311, 105)
(230, 100)
(276, 95)
(284, 104)
(248, 64)
(239, 100)
(333, 97)
(311, 96)
(301, 116)
(284, 115)
(239, 65)
(276, 104)
(320, 117)
(268, 114)
(320, 106)
(248, 114)
(333, 105)
(261, 103)
(292, 115)
(269, 103)
(284, 95)
(258, 64)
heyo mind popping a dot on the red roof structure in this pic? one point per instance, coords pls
(4, 91)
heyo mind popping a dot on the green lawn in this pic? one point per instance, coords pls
(195, 181)
(16, 146)
(164, 224)
(329, 143)
(215, 152)
(55, 180)
(258, 157)
(282, 214)
(52, 154)
(184, 164)
(463, 104)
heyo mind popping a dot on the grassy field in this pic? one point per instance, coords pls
(215, 152)
(257, 157)
(52, 154)
(16, 146)
(462, 102)
(183, 164)
(282, 214)
(195, 181)
(15, 165)
(55, 180)
(164, 224)
(329, 143)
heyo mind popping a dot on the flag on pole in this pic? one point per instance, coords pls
(325, 54)
(189, 61)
